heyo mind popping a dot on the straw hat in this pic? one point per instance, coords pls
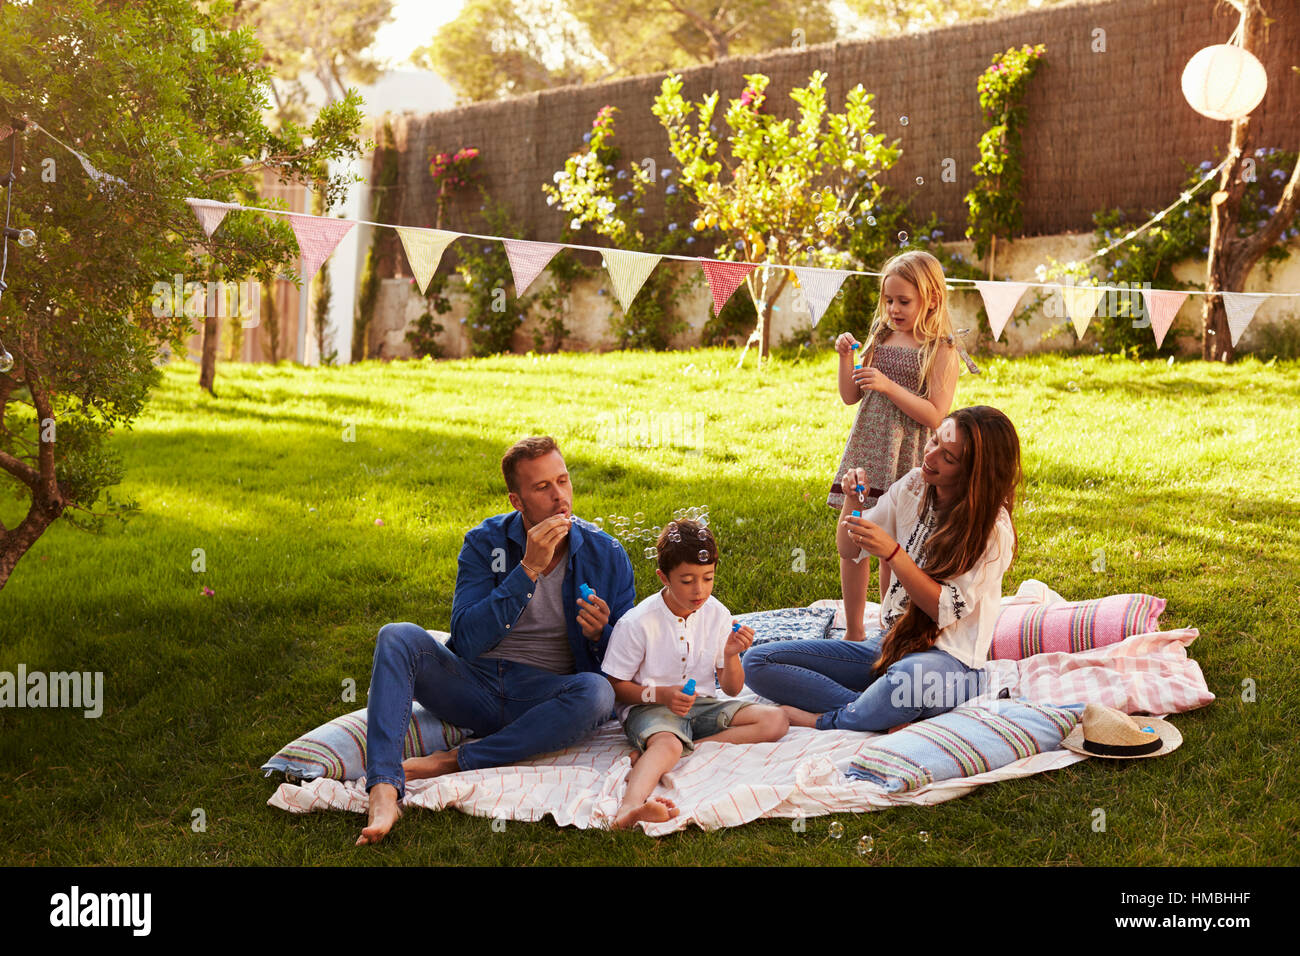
(1106, 732)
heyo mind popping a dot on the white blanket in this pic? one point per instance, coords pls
(726, 785)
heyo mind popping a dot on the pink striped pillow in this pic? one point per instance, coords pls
(1023, 630)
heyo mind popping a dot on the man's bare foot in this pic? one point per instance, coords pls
(434, 765)
(799, 718)
(384, 812)
(654, 810)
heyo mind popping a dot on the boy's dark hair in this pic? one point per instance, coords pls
(682, 542)
(526, 449)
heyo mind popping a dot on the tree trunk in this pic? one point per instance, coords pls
(16, 543)
(208, 365)
(1231, 257)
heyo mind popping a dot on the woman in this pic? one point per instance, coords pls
(944, 535)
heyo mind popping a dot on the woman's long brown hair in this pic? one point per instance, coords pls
(991, 474)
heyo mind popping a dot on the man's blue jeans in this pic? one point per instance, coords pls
(834, 680)
(514, 710)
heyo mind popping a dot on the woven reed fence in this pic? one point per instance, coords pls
(1108, 125)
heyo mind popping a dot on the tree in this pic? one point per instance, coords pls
(893, 17)
(168, 100)
(1231, 256)
(788, 193)
(492, 50)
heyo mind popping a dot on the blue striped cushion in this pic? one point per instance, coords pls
(788, 623)
(337, 749)
(962, 743)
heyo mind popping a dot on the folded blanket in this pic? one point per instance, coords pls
(802, 775)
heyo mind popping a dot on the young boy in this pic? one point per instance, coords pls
(680, 634)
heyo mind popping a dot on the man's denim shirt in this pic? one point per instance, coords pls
(492, 588)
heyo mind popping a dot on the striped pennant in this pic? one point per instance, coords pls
(1162, 306)
(1241, 307)
(318, 237)
(628, 272)
(209, 213)
(723, 278)
(819, 288)
(1080, 304)
(424, 249)
(1000, 299)
(528, 259)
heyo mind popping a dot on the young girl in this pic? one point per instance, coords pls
(906, 386)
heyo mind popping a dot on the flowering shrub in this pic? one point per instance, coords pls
(994, 203)
(452, 172)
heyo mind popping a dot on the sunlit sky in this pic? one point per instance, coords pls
(413, 25)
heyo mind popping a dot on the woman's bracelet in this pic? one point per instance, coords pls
(892, 553)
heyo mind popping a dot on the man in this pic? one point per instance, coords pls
(522, 667)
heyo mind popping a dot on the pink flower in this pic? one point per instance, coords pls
(207, 591)
(379, 522)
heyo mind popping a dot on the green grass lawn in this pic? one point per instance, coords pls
(1186, 476)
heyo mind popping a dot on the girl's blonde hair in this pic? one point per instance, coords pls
(933, 327)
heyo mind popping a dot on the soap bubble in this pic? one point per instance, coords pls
(704, 521)
(902, 120)
(920, 180)
(816, 198)
(1072, 386)
(923, 836)
(902, 237)
(871, 220)
(866, 845)
(598, 521)
(655, 531)
(649, 553)
(639, 517)
(836, 830)
(674, 537)
(703, 556)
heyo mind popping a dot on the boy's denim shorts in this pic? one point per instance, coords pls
(707, 716)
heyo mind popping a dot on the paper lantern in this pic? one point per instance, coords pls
(1224, 82)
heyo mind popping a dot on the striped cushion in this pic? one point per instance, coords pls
(1026, 629)
(962, 743)
(337, 749)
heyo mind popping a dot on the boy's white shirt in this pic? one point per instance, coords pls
(648, 643)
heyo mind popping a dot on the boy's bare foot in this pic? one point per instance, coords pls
(434, 765)
(654, 810)
(384, 812)
(799, 718)
(634, 755)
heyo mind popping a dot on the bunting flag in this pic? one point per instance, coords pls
(209, 213)
(1000, 300)
(424, 249)
(819, 287)
(1162, 306)
(318, 236)
(528, 259)
(723, 278)
(628, 272)
(1241, 307)
(1080, 302)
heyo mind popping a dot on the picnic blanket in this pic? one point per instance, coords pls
(802, 775)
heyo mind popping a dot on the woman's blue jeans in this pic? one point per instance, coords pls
(514, 710)
(834, 680)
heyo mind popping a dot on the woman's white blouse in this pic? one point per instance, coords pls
(969, 603)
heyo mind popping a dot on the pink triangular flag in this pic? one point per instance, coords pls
(819, 287)
(318, 236)
(1162, 306)
(528, 259)
(1241, 307)
(424, 249)
(210, 213)
(723, 278)
(1000, 299)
